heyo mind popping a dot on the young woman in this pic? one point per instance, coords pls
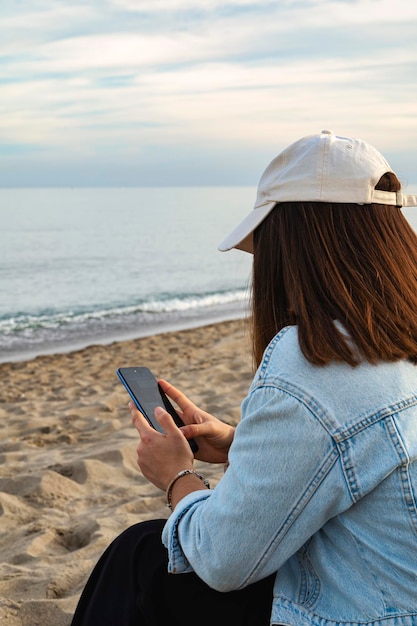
(315, 519)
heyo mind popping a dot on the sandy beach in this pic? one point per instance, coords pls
(69, 482)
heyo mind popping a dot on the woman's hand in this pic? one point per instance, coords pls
(213, 437)
(161, 456)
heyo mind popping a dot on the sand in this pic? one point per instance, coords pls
(69, 482)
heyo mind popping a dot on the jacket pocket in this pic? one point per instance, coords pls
(309, 581)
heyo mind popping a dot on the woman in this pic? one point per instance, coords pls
(315, 519)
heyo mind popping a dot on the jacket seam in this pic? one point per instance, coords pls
(305, 497)
(405, 460)
(268, 352)
(319, 414)
(338, 435)
(340, 438)
(280, 599)
(377, 416)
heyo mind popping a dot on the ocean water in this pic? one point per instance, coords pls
(83, 266)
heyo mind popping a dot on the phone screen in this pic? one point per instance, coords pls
(147, 395)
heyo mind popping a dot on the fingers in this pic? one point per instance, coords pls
(203, 429)
(145, 429)
(175, 394)
(139, 421)
(166, 421)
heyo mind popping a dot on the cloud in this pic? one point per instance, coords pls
(134, 79)
(184, 5)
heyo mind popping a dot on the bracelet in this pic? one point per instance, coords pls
(177, 477)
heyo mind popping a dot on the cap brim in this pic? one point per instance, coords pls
(242, 236)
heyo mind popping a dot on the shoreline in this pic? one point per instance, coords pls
(69, 482)
(83, 338)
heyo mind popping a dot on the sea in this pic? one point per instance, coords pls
(86, 266)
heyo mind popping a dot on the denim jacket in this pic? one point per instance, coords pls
(321, 488)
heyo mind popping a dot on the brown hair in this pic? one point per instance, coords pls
(319, 262)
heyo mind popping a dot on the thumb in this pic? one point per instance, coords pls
(166, 421)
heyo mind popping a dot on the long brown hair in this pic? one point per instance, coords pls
(319, 262)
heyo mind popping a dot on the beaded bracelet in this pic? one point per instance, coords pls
(177, 477)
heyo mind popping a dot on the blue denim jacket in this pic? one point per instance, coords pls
(321, 488)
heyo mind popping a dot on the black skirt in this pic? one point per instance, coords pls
(130, 586)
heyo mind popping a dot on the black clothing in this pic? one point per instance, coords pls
(130, 586)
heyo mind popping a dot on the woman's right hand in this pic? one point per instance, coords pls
(214, 437)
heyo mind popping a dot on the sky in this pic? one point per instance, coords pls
(198, 92)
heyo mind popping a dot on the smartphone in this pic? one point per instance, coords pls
(147, 394)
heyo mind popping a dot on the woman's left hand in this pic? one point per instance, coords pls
(161, 456)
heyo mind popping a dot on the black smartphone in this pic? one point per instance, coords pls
(147, 394)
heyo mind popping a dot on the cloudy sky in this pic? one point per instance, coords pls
(198, 92)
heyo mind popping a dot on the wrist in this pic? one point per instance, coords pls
(177, 477)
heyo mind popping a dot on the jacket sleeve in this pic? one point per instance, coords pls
(284, 481)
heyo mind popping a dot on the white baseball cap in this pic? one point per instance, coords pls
(318, 168)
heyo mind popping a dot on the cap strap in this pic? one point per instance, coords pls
(409, 200)
(393, 198)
